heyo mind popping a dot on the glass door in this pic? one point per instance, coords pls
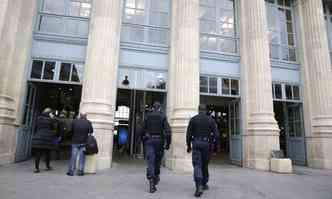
(235, 141)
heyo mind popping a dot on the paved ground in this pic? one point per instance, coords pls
(127, 181)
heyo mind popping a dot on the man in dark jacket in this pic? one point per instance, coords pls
(202, 133)
(81, 128)
(156, 137)
(44, 138)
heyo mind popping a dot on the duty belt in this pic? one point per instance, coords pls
(206, 139)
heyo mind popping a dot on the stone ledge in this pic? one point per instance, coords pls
(281, 165)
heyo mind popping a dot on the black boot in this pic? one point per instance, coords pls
(199, 191)
(205, 187)
(156, 180)
(152, 186)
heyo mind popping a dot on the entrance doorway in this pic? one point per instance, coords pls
(226, 112)
(131, 108)
(58, 97)
(290, 120)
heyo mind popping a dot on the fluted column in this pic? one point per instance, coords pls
(317, 76)
(100, 81)
(16, 19)
(183, 90)
(260, 135)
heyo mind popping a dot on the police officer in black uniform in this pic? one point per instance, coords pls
(202, 134)
(156, 137)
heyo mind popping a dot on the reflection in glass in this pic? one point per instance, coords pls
(77, 73)
(225, 86)
(234, 87)
(49, 70)
(203, 84)
(213, 85)
(37, 67)
(65, 72)
(278, 91)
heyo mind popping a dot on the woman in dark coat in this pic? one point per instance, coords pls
(44, 138)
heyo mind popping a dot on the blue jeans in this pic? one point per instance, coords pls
(77, 150)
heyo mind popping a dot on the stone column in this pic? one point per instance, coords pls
(260, 130)
(317, 78)
(3, 8)
(15, 38)
(100, 80)
(183, 90)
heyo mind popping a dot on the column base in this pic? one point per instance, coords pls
(319, 152)
(7, 144)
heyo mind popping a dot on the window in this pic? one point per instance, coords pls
(65, 17)
(219, 86)
(51, 70)
(146, 21)
(328, 21)
(217, 26)
(281, 30)
(286, 92)
(204, 84)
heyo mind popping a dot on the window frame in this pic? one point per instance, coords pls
(65, 19)
(145, 27)
(234, 38)
(283, 92)
(220, 86)
(283, 25)
(57, 69)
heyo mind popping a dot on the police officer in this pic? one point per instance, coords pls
(156, 137)
(202, 134)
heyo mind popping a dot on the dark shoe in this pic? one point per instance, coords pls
(70, 174)
(205, 187)
(152, 186)
(80, 173)
(157, 180)
(36, 171)
(199, 191)
(49, 168)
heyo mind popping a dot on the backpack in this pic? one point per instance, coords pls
(91, 145)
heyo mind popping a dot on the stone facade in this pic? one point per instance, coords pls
(260, 132)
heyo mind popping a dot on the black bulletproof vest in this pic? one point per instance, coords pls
(200, 125)
(154, 123)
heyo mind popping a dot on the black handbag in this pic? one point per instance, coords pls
(91, 145)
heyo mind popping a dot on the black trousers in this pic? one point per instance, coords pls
(154, 151)
(200, 160)
(42, 152)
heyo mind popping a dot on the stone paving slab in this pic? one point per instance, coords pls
(127, 181)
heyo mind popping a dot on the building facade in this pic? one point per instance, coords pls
(264, 66)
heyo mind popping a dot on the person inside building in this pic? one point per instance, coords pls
(156, 138)
(202, 133)
(81, 128)
(44, 139)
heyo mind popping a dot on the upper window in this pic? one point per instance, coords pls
(65, 17)
(286, 92)
(328, 20)
(219, 86)
(217, 26)
(281, 30)
(56, 71)
(146, 21)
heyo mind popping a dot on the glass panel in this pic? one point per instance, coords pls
(155, 80)
(77, 74)
(75, 8)
(225, 86)
(234, 87)
(158, 19)
(213, 85)
(65, 72)
(51, 24)
(203, 84)
(49, 70)
(85, 10)
(56, 7)
(288, 92)
(278, 91)
(296, 92)
(37, 67)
